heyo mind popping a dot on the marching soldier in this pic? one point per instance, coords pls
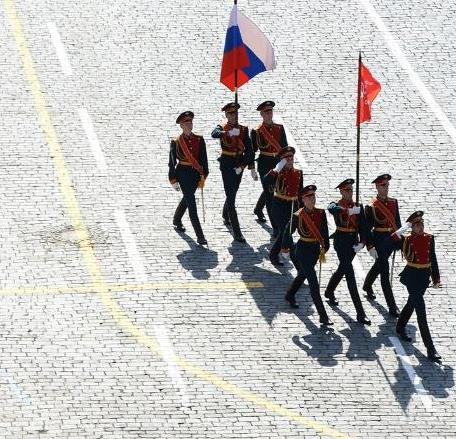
(350, 237)
(418, 249)
(269, 138)
(188, 170)
(237, 154)
(287, 184)
(312, 245)
(382, 218)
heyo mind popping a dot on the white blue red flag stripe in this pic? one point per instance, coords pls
(247, 50)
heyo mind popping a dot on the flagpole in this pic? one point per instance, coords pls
(358, 130)
(236, 86)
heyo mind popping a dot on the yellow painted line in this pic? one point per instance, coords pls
(88, 253)
(212, 286)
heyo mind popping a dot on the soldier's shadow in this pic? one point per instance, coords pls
(252, 267)
(197, 260)
(362, 346)
(434, 377)
(322, 343)
(266, 226)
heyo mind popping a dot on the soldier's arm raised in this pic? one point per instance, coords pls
(217, 132)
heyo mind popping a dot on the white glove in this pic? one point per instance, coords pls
(280, 165)
(234, 132)
(254, 174)
(373, 253)
(358, 247)
(176, 186)
(403, 229)
(355, 210)
(238, 170)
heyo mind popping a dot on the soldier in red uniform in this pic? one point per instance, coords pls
(418, 249)
(269, 138)
(350, 237)
(287, 184)
(312, 245)
(382, 218)
(237, 154)
(188, 170)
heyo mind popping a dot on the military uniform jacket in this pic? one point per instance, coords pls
(287, 183)
(382, 218)
(349, 225)
(196, 147)
(261, 139)
(237, 151)
(306, 233)
(419, 252)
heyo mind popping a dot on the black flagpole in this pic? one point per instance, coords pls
(236, 86)
(358, 130)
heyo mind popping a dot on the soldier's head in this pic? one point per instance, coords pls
(185, 120)
(416, 219)
(382, 185)
(346, 189)
(308, 196)
(287, 154)
(231, 112)
(265, 109)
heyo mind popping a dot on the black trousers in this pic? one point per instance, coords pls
(416, 303)
(231, 182)
(307, 254)
(265, 164)
(343, 244)
(381, 267)
(188, 179)
(281, 213)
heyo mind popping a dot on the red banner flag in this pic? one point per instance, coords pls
(369, 89)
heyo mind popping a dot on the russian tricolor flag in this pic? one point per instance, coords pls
(247, 50)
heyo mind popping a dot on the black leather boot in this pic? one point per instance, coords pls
(237, 234)
(177, 220)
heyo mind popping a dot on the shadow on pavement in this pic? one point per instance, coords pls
(197, 259)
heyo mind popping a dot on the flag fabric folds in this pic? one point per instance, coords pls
(247, 50)
(369, 89)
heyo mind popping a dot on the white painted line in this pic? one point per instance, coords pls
(60, 49)
(130, 245)
(93, 139)
(416, 80)
(414, 378)
(359, 270)
(170, 358)
(15, 387)
(159, 326)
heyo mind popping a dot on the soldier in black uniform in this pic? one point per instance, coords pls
(269, 138)
(237, 154)
(312, 245)
(350, 237)
(382, 218)
(287, 184)
(188, 170)
(418, 249)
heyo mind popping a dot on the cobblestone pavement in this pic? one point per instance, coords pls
(96, 341)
